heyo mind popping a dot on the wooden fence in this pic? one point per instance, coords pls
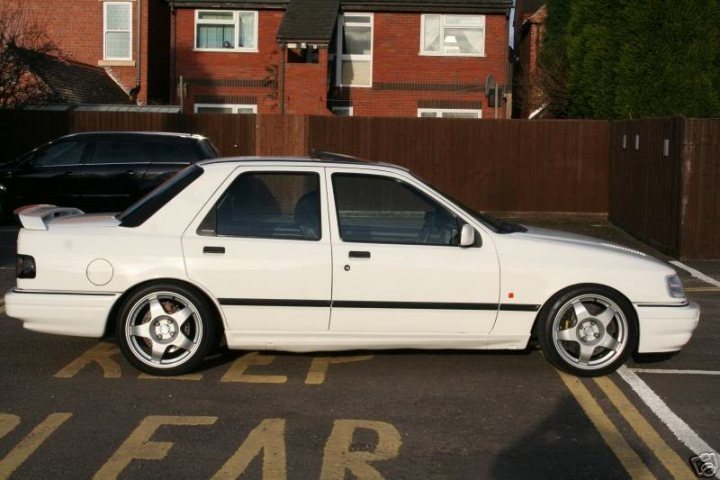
(506, 166)
(659, 179)
(665, 184)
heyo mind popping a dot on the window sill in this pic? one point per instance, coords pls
(226, 50)
(116, 63)
(453, 55)
(353, 86)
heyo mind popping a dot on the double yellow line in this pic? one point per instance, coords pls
(629, 458)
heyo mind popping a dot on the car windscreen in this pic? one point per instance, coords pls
(136, 214)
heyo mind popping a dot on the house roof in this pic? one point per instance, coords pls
(312, 6)
(309, 21)
(74, 82)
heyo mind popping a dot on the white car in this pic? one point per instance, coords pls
(330, 253)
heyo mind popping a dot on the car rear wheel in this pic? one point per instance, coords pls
(588, 331)
(165, 329)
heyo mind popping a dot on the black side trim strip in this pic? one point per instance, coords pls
(42, 292)
(519, 307)
(269, 302)
(361, 304)
(415, 305)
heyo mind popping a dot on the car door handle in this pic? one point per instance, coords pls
(357, 254)
(130, 172)
(220, 250)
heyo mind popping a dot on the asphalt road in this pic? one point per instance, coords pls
(73, 408)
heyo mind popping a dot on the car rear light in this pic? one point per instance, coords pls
(25, 267)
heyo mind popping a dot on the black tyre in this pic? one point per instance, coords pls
(588, 331)
(166, 329)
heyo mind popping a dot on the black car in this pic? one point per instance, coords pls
(98, 171)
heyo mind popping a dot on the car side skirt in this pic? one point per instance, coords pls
(339, 341)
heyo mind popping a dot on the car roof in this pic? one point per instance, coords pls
(316, 157)
(134, 133)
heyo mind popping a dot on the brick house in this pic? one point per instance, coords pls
(115, 36)
(425, 58)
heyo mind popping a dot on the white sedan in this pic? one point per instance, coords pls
(330, 253)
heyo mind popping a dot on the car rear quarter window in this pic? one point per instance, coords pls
(58, 154)
(137, 213)
(283, 205)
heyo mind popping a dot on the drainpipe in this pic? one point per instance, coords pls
(282, 79)
(138, 67)
(173, 91)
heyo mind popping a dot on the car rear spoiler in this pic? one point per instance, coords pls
(37, 217)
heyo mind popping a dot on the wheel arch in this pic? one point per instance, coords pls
(111, 322)
(550, 300)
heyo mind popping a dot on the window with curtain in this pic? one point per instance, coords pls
(354, 50)
(459, 35)
(226, 30)
(118, 30)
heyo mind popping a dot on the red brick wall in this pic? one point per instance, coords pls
(261, 65)
(76, 27)
(306, 86)
(396, 58)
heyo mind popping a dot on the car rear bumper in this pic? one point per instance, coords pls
(78, 314)
(666, 328)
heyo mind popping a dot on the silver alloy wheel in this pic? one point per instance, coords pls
(163, 329)
(590, 331)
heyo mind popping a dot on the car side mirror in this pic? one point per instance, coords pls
(467, 236)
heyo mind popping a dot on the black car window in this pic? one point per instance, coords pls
(136, 214)
(377, 209)
(268, 205)
(59, 154)
(122, 150)
(178, 151)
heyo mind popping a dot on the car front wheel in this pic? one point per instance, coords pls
(588, 331)
(165, 329)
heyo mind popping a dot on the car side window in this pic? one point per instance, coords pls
(114, 151)
(377, 209)
(60, 154)
(282, 205)
(174, 152)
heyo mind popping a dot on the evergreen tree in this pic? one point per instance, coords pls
(669, 65)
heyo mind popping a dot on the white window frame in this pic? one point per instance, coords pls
(442, 37)
(235, 107)
(339, 56)
(349, 111)
(440, 111)
(129, 31)
(235, 22)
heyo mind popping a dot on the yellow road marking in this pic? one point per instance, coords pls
(236, 373)
(267, 438)
(339, 457)
(8, 423)
(319, 367)
(627, 456)
(30, 443)
(138, 445)
(667, 456)
(99, 354)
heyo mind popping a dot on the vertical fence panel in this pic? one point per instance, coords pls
(510, 166)
(701, 185)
